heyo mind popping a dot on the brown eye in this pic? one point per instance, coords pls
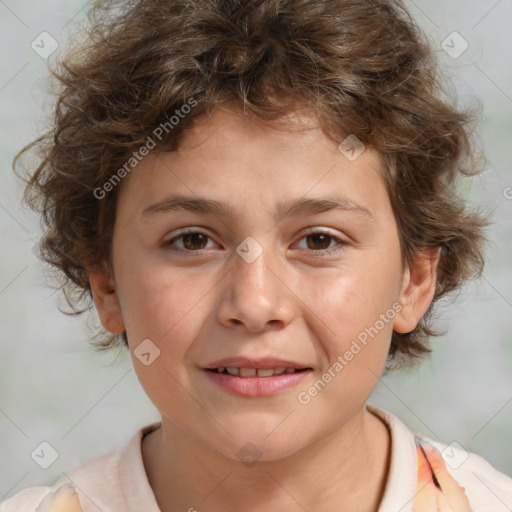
(190, 242)
(194, 241)
(319, 241)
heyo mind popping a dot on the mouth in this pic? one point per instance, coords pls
(246, 366)
(256, 378)
(256, 372)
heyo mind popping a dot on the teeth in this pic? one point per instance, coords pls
(252, 372)
(247, 372)
(264, 372)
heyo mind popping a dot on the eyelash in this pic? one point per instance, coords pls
(321, 252)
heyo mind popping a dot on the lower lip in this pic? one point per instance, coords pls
(257, 386)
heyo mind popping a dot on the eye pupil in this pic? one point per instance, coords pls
(323, 238)
(194, 238)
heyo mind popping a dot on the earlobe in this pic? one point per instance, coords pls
(418, 289)
(106, 301)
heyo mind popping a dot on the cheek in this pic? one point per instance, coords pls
(164, 304)
(354, 341)
(352, 298)
(351, 313)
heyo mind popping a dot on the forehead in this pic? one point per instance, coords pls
(243, 162)
(225, 124)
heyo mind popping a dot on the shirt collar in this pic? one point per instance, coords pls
(403, 469)
(134, 481)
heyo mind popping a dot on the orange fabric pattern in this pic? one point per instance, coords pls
(436, 489)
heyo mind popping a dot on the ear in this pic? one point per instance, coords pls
(106, 301)
(418, 288)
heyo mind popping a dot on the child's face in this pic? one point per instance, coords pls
(289, 303)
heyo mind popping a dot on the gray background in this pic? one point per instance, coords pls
(54, 388)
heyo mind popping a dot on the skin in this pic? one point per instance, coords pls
(331, 454)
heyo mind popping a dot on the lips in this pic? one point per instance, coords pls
(256, 372)
(265, 363)
(256, 378)
(262, 377)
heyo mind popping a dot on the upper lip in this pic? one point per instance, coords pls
(245, 362)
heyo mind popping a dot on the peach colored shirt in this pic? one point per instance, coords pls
(417, 482)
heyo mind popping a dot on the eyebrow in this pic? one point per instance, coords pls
(206, 206)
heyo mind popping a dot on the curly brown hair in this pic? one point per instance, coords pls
(364, 67)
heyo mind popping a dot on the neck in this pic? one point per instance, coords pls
(346, 470)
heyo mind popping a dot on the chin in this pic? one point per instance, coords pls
(257, 443)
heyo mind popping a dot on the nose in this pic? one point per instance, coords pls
(255, 295)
